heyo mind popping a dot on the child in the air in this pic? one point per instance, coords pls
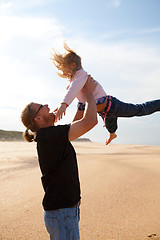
(108, 107)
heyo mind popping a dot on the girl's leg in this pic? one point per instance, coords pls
(130, 110)
(111, 137)
(111, 125)
(121, 109)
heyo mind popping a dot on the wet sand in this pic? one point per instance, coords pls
(120, 187)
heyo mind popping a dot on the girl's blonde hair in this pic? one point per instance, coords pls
(27, 118)
(66, 59)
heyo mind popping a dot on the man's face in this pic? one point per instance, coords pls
(43, 111)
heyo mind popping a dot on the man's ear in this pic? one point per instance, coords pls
(37, 119)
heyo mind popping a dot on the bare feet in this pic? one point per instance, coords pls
(111, 137)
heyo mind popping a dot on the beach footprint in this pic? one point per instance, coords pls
(153, 236)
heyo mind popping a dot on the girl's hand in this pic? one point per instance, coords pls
(60, 112)
(68, 87)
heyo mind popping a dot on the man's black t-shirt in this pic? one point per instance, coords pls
(58, 164)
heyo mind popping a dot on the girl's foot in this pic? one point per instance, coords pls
(111, 137)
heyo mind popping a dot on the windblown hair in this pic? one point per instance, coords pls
(64, 60)
(27, 118)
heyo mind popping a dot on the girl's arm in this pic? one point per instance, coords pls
(59, 112)
(76, 86)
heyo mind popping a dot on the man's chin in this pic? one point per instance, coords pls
(53, 117)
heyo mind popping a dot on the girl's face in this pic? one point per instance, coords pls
(68, 70)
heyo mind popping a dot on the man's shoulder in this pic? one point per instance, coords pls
(53, 133)
(54, 128)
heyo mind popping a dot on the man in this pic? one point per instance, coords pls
(58, 163)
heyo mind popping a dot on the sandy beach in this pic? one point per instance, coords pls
(120, 189)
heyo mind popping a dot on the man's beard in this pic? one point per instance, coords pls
(52, 117)
(49, 119)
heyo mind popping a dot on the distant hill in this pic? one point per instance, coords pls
(82, 140)
(11, 135)
(18, 136)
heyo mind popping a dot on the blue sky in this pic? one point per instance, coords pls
(118, 40)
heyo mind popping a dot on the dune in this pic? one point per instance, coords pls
(120, 192)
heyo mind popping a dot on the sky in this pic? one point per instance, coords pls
(118, 41)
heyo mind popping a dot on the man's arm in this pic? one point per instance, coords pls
(89, 120)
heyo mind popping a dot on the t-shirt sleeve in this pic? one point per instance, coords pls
(54, 134)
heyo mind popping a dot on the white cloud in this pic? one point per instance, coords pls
(116, 3)
(150, 30)
(5, 6)
(29, 28)
(22, 4)
(25, 46)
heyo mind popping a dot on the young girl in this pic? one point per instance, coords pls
(108, 107)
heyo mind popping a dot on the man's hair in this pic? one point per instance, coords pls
(27, 118)
(66, 59)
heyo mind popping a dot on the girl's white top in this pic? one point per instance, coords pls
(75, 88)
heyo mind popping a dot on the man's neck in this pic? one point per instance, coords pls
(45, 125)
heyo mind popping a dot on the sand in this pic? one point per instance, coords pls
(120, 187)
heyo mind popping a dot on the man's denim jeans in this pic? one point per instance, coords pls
(63, 224)
(121, 109)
